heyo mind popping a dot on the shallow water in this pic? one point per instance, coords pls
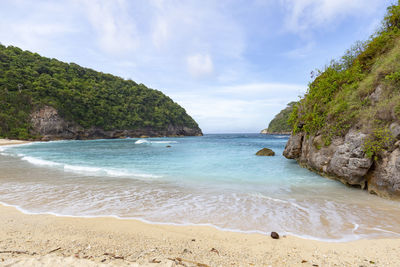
(211, 180)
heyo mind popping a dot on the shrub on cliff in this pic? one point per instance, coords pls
(361, 88)
(81, 95)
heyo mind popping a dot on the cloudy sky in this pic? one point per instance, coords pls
(232, 64)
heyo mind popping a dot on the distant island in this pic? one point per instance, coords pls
(347, 126)
(280, 123)
(46, 99)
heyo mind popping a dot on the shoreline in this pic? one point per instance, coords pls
(49, 239)
(8, 142)
(215, 227)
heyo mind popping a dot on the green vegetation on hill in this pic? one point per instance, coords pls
(89, 98)
(279, 123)
(361, 89)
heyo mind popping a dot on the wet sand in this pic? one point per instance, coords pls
(46, 240)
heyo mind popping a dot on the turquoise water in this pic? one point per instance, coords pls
(211, 180)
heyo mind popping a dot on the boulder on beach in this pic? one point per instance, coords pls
(265, 152)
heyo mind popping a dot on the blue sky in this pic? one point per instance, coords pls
(232, 64)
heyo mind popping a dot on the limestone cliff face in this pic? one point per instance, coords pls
(47, 123)
(344, 160)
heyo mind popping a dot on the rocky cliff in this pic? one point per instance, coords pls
(347, 125)
(49, 125)
(345, 160)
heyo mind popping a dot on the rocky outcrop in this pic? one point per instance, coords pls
(384, 179)
(265, 152)
(293, 146)
(344, 160)
(49, 125)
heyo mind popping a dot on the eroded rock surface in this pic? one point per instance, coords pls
(384, 179)
(46, 122)
(349, 162)
(293, 146)
(344, 160)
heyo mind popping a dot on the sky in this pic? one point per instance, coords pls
(232, 64)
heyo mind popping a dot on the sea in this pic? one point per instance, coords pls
(215, 180)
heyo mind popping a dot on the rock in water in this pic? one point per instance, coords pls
(265, 152)
(274, 235)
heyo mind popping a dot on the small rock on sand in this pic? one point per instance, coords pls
(274, 235)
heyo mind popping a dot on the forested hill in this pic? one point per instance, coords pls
(280, 124)
(42, 96)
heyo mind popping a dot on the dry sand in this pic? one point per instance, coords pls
(46, 240)
(5, 142)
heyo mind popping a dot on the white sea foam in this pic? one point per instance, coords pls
(281, 136)
(117, 173)
(41, 162)
(87, 169)
(141, 141)
(80, 169)
(106, 171)
(144, 141)
(259, 195)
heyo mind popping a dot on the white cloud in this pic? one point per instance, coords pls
(303, 15)
(239, 108)
(32, 36)
(221, 114)
(302, 51)
(200, 65)
(160, 33)
(115, 30)
(37, 26)
(262, 88)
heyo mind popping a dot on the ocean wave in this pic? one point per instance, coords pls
(144, 141)
(87, 169)
(5, 147)
(41, 162)
(141, 141)
(281, 136)
(107, 172)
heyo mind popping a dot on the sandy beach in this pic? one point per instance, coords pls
(6, 142)
(46, 240)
